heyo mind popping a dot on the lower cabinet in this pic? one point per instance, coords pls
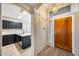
(26, 41)
(8, 39)
(17, 38)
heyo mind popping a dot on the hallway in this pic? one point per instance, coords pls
(50, 51)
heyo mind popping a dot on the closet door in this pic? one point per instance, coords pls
(57, 32)
(63, 33)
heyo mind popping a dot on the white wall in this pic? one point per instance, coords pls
(75, 11)
(76, 34)
(40, 29)
(26, 20)
(10, 10)
(75, 7)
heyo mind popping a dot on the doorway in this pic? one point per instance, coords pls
(63, 33)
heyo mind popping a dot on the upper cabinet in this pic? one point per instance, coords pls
(11, 25)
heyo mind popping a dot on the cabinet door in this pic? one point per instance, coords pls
(18, 38)
(5, 24)
(20, 26)
(8, 39)
(17, 25)
(13, 25)
(4, 40)
(26, 42)
(9, 25)
(29, 40)
(11, 39)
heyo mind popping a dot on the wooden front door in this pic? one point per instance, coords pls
(63, 33)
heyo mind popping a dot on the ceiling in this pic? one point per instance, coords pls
(33, 4)
(50, 6)
(29, 6)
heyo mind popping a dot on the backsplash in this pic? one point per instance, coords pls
(11, 31)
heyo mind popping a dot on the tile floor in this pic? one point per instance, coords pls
(16, 50)
(50, 51)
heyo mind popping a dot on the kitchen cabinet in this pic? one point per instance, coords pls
(8, 39)
(11, 25)
(24, 41)
(17, 38)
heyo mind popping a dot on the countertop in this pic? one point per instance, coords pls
(25, 34)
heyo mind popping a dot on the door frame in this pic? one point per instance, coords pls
(62, 16)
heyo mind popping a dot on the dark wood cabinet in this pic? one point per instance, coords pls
(8, 39)
(20, 25)
(5, 24)
(11, 25)
(12, 38)
(26, 41)
(4, 40)
(18, 38)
